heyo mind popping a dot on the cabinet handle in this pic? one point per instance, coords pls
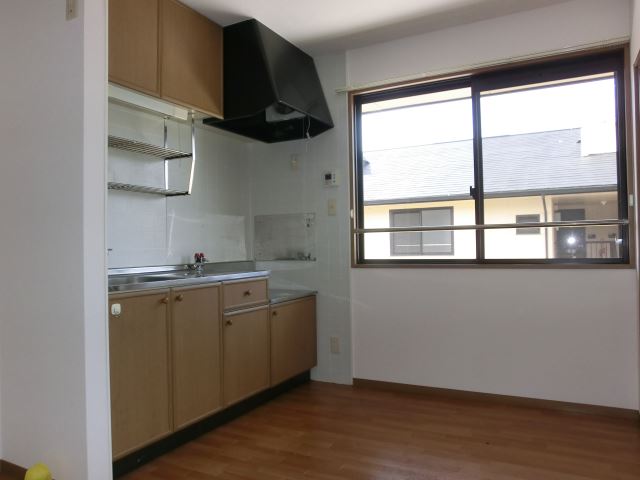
(229, 322)
(247, 293)
(274, 313)
(180, 297)
(165, 300)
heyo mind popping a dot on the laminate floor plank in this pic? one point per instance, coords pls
(321, 431)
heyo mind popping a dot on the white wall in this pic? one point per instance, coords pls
(147, 229)
(53, 362)
(566, 25)
(567, 335)
(279, 189)
(562, 335)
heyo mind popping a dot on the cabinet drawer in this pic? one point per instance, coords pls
(244, 294)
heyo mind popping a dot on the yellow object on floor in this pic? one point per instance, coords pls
(38, 472)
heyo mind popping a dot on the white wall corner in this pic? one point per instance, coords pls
(98, 423)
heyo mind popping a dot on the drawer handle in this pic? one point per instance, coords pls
(180, 297)
(165, 300)
(247, 293)
(274, 313)
(229, 322)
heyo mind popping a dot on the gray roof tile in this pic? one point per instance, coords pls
(545, 161)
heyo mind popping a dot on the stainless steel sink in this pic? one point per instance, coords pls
(133, 279)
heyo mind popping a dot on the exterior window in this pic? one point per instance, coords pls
(528, 219)
(543, 144)
(422, 243)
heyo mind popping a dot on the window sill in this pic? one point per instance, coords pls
(498, 265)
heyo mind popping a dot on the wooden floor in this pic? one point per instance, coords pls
(329, 432)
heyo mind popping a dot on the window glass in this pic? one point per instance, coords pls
(417, 156)
(541, 144)
(547, 140)
(551, 149)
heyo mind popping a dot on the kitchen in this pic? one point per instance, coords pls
(283, 179)
(149, 227)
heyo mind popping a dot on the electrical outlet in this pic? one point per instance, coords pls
(335, 345)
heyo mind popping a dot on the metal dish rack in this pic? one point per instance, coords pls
(163, 153)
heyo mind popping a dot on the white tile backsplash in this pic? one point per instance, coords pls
(279, 188)
(145, 229)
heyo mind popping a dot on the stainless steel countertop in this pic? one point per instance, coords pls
(132, 280)
(280, 295)
(125, 280)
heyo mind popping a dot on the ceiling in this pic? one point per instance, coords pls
(333, 25)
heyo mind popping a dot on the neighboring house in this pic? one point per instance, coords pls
(534, 177)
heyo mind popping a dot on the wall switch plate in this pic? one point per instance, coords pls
(331, 207)
(72, 10)
(335, 344)
(116, 309)
(295, 161)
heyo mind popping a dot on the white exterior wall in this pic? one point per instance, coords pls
(567, 335)
(54, 403)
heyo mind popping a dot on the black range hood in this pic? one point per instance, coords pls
(272, 91)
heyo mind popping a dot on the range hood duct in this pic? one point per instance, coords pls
(272, 91)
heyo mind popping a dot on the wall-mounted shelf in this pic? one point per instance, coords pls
(162, 153)
(146, 148)
(142, 189)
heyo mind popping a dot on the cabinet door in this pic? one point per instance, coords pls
(293, 339)
(133, 44)
(139, 360)
(197, 359)
(246, 353)
(191, 58)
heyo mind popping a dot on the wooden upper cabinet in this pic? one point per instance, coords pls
(133, 44)
(191, 58)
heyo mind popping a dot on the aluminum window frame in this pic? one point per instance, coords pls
(613, 61)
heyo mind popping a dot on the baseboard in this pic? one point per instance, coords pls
(146, 454)
(12, 470)
(446, 393)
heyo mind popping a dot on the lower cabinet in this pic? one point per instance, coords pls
(293, 338)
(196, 353)
(139, 362)
(176, 358)
(246, 353)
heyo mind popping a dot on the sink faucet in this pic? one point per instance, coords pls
(200, 260)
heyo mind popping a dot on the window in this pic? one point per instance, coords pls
(543, 145)
(422, 243)
(528, 219)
